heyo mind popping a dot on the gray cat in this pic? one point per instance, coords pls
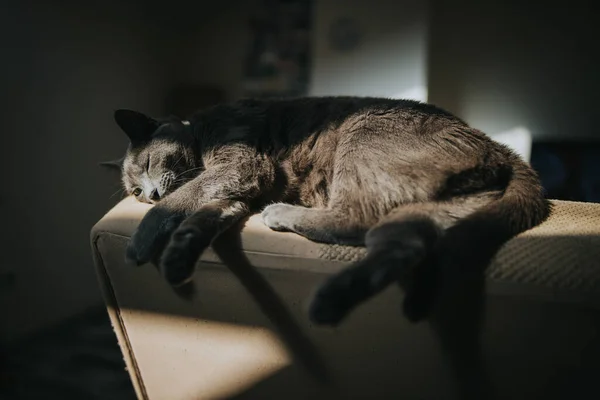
(416, 185)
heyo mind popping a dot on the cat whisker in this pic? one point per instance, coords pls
(185, 172)
(121, 190)
(176, 162)
(182, 180)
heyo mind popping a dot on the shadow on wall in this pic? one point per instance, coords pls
(71, 66)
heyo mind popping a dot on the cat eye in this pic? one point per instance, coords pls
(137, 191)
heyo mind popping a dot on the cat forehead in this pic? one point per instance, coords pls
(132, 166)
(156, 146)
(160, 144)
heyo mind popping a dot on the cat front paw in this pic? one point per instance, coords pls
(152, 235)
(179, 258)
(278, 216)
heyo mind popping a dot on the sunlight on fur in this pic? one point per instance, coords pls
(418, 93)
(207, 360)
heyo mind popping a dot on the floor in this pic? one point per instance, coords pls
(79, 359)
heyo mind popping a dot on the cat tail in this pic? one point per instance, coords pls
(449, 290)
(466, 247)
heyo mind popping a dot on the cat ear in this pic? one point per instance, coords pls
(113, 164)
(138, 127)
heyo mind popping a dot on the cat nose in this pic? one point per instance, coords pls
(155, 196)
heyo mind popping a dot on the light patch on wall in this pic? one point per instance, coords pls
(518, 139)
(390, 57)
(381, 67)
(418, 93)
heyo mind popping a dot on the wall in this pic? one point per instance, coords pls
(66, 69)
(503, 64)
(390, 59)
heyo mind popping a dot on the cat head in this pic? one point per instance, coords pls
(159, 158)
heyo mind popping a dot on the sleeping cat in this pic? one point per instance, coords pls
(416, 185)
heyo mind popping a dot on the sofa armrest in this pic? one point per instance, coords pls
(246, 334)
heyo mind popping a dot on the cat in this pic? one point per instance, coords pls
(416, 185)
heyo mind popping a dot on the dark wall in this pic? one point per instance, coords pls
(65, 69)
(501, 64)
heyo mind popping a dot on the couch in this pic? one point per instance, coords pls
(243, 331)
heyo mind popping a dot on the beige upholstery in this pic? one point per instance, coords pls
(244, 334)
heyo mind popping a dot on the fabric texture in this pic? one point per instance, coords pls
(561, 253)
